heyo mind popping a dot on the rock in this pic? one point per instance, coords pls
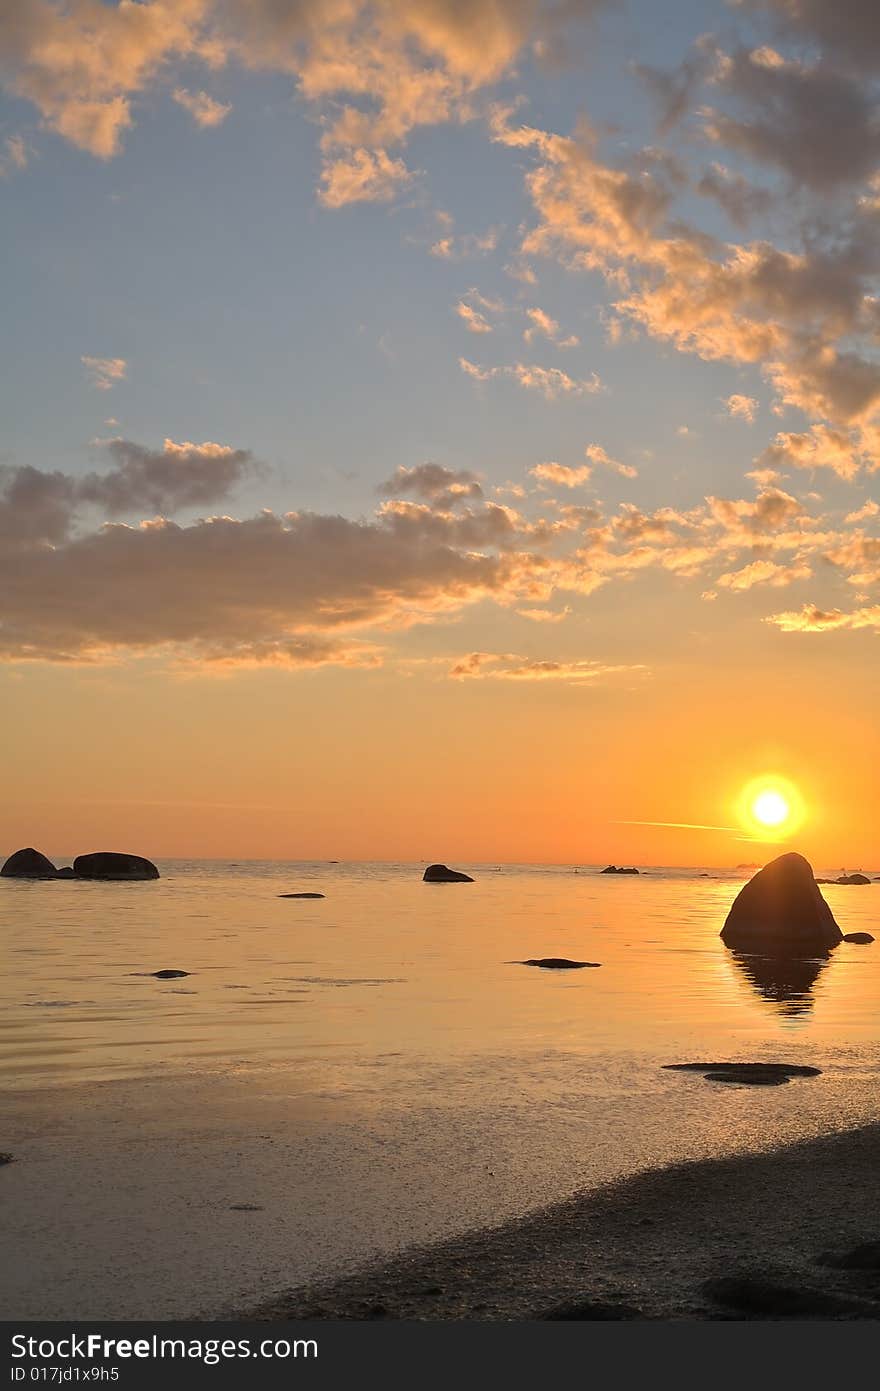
(862, 938)
(169, 975)
(853, 879)
(752, 1074)
(781, 910)
(441, 874)
(68, 872)
(748, 864)
(6, 1158)
(613, 869)
(28, 864)
(558, 963)
(764, 1298)
(863, 1257)
(109, 864)
(300, 895)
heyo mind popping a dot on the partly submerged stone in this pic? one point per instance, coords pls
(618, 869)
(442, 874)
(111, 864)
(28, 864)
(751, 1074)
(781, 909)
(860, 938)
(302, 895)
(558, 963)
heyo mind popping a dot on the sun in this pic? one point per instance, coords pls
(771, 808)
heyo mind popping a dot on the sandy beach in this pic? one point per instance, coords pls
(753, 1236)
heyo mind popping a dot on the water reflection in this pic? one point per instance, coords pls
(786, 982)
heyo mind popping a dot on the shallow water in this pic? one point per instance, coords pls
(382, 1067)
(386, 973)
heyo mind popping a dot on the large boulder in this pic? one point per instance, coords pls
(615, 869)
(28, 864)
(442, 874)
(780, 910)
(109, 864)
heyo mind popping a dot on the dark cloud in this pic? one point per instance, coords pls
(818, 125)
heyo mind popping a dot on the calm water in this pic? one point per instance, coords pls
(372, 1069)
(386, 970)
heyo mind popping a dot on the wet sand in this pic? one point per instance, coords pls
(744, 1237)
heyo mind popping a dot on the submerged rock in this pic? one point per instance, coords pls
(110, 864)
(861, 938)
(28, 864)
(613, 869)
(853, 879)
(753, 1074)
(557, 963)
(301, 895)
(442, 874)
(781, 909)
(169, 975)
(68, 872)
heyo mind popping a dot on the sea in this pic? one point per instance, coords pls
(377, 1068)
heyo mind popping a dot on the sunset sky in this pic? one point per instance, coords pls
(439, 429)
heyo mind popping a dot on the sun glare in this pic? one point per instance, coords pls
(771, 807)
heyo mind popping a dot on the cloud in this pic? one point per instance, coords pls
(15, 156)
(551, 382)
(474, 321)
(105, 372)
(597, 455)
(562, 474)
(763, 572)
(545, 615)
(39, 508)
(818, 447)
(432, 483)
(816, 124)
(738, 196)
(285, 654)
(363, 176)
(460, 248)
(497, 666)
(845, 30)
(205, 111)
(741, 407)
(541, 323)
(811, 619)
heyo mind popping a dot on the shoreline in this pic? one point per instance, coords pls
(732, 1238)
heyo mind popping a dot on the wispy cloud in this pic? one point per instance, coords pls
(105, 372)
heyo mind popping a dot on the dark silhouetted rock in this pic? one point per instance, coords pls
(594, 1309)
(863, 1257)
(6, 1158)
(558, 963)
(109, 864)
(763, 1298)
(752, 1074)
(169, 975)
(613, 869)
(853, 879)
(441, 874)
(781, 910)
(300, 895)
(68, 872)
(860, 938)
(28, 864)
